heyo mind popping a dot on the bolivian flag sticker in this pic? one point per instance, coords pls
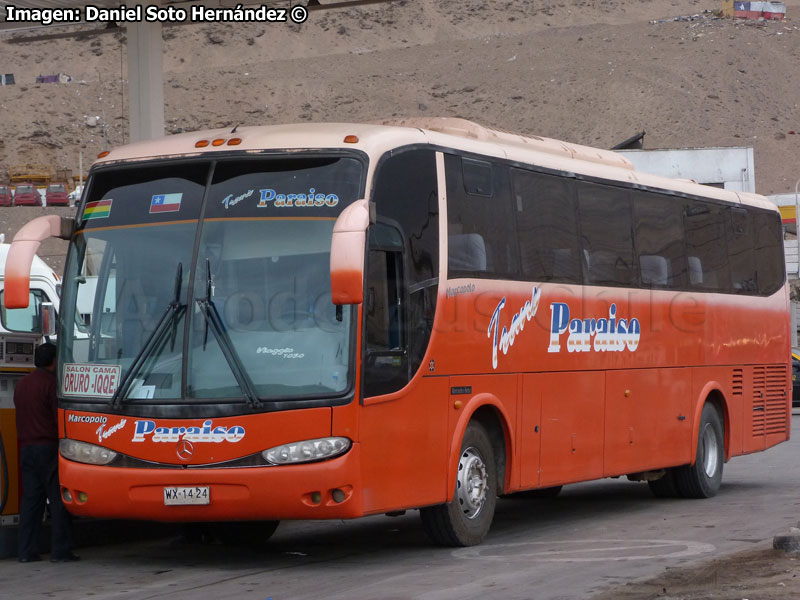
(97, 210)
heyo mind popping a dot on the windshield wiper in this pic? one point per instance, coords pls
(171, 314)
(209, 310)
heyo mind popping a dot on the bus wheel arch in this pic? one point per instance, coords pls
(712, 394)
(703, 476)
(465, 519)
(486, 410)
(497, 427)
(476, 476)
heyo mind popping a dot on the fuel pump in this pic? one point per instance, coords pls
(16, 359)
(20, 333)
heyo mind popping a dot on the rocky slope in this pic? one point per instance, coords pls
(586, 71)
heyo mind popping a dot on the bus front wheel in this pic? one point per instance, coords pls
(704, 477)
(466, 519)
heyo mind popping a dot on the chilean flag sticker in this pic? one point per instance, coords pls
(759, 10)
(162, 203)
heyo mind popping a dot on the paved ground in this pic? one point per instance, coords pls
(594, 536)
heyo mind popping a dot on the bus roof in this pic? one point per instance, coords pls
(376, 138)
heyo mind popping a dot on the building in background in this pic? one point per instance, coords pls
(727, 168)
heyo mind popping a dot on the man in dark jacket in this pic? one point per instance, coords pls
(36, 405)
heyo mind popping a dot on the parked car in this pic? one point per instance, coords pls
(56, 195)
(25, 194)
(5, 195)
(795, 379)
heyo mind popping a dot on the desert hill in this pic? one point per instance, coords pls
(585, 71)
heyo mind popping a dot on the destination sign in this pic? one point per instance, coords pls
(92, 381)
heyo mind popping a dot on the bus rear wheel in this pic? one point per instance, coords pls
(704, 477)
(466, 519)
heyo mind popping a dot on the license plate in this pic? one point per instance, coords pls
(186, 495)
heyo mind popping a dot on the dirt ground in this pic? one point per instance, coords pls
(760, 574)
(587, 71)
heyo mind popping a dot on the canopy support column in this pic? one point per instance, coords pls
(145, 81)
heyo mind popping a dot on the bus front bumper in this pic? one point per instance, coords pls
(324, 490)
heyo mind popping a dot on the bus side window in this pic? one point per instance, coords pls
(695, 271)
(547, 227)
(659, 241)
(706, 247)
(739, 229)
(606, 227)
(480, 218)
(384, 318)
(386, 367)
(653, 270)
(770, 265)
(466, 252)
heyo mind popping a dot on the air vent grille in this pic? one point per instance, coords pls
(737, 382)
(769, 399)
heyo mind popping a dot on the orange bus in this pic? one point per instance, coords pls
(336, 320)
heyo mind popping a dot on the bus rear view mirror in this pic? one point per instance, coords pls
(20, 255)
(348, 246)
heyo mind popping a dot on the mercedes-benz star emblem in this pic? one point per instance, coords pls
(185, 450)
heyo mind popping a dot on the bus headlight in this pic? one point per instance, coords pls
(85, 453)
(307, 451)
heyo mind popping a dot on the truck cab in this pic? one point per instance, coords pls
(45, 287)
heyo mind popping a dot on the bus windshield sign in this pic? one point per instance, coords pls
(92, 381)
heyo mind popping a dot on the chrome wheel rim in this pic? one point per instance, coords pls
(710, 451)
(471, 483)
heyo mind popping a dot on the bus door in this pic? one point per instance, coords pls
(402, 426)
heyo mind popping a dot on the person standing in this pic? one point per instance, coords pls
(36, 406)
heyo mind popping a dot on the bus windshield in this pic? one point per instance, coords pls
(191, 278)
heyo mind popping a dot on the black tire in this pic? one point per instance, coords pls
(704, 477)
(452, 524)
(666, 487)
